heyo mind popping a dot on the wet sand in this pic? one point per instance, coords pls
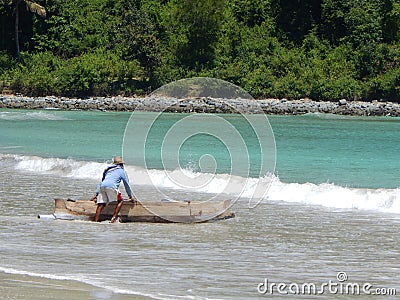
(15, 286)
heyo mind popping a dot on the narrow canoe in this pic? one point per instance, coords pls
(155, 212)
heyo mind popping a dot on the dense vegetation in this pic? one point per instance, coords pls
(322, 49)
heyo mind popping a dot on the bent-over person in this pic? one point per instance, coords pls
(108, 188)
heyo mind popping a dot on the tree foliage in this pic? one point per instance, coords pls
(323, 49)
(196, 25)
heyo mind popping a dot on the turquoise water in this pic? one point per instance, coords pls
(63, 134)
(348, 151)
(358, 152)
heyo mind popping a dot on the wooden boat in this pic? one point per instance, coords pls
(156, 212)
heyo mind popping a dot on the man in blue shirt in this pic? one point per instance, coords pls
(108, 188)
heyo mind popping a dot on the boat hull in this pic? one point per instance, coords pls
(154, 212)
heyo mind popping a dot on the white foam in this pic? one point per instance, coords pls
(34, 274)
(31, 115)
(326, 194)
(62, 167)
(330, 195)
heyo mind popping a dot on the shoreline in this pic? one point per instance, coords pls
(204, 105)
(24, 286)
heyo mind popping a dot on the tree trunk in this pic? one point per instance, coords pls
(16, 29)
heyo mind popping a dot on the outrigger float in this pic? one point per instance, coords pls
(153, 212)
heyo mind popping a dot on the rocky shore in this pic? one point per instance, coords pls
(204, 105)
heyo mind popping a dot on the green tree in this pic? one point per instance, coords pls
(31, 6)
(391, 20)
(77, 27)
(196, 28)
(252, 12)
(363, 24)
(332, 25)
(135, 36)
(359, 23)
(354, 21)
(296, 18)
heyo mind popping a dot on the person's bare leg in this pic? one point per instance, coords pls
(116, 212)
(98, 211)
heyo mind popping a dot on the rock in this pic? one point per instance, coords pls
(205, 105)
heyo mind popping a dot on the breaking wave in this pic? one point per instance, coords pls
(325, 194)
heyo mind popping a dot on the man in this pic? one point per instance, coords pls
(108, 188)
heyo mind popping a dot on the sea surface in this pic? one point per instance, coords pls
(330, 212)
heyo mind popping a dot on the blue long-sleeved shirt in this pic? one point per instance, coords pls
(112, 178)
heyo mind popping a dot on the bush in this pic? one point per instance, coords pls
(385, 86)
(98, 73)
(6, 64)
(344, 87)
(33, 74)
